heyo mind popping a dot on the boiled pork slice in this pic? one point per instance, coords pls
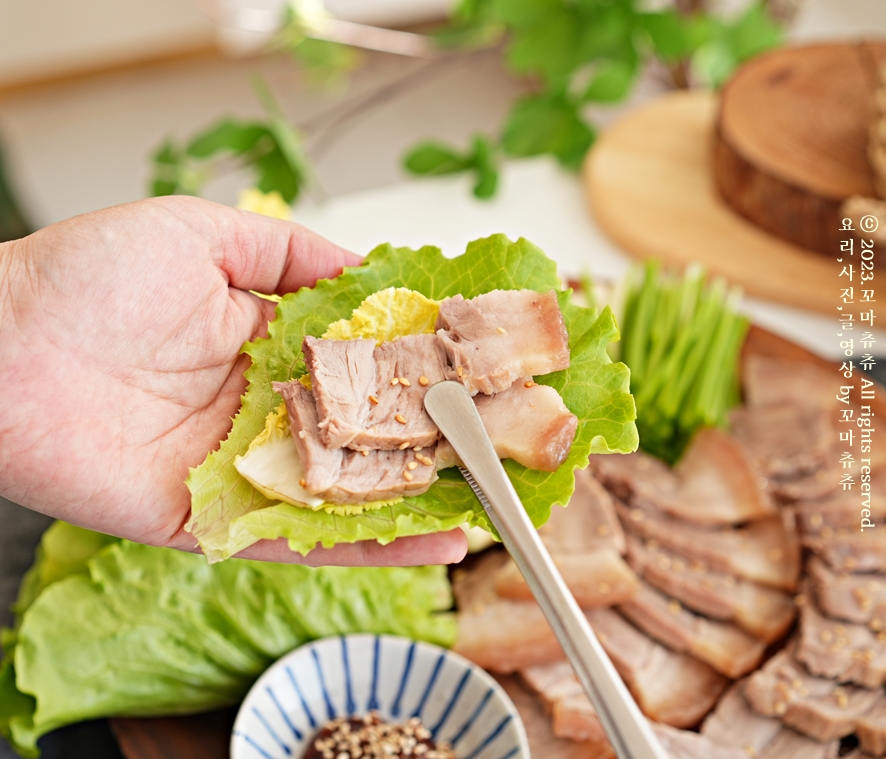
(543, 744)
(719, 484)
(849, 550)
(686, 744)
(669, 687)
(572, 714)
(734, 723)
(871, 730)
(596, 578)
(784, 440)
(769, 381)
(859, 598)
(841, 509)
(322, 465)
(840, 650)
(637, 477)
(766, 551)
(815, 706)
(766, 613)
(727, 649)
(527, 423)
(343, 376)
(499, 634)
(498, 337)
(341, 476)
(372, 398)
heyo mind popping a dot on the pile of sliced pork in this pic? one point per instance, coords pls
(361, 430)
(735, 593)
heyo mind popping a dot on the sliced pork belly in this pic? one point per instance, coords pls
(322, 465)
(840, 650)
(841, 508)
(766, 551)
(637, 477)
(719, 485)
(871, 730)
(673, 688)
(596, 578)
(530, 425)
(766, 613)
(811, 486)
(859, 598)
(587, 524)
(496, 338)
(372, 398)
(542, 741)
(499, 634)
(727, 649)
(343, 377)
(814, 706)
(381, 475)
(734, 723)
(685, 744)
(849, 550)
(572, 714)
(769, 381)
(784, 440)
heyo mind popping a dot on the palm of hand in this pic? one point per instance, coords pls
(122, 359)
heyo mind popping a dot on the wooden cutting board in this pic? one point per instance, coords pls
(649, 184)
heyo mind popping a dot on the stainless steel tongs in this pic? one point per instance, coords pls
(450, 406)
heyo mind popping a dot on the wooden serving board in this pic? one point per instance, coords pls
(649, 184)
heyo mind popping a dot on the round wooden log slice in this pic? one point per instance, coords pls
(791, 139)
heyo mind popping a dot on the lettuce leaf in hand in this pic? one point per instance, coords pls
(228, 514)
(135, 630)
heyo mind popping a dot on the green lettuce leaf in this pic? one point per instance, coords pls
(150, 631)
(228, 514)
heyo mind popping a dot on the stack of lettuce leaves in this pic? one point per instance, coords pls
(228, 513)
(107, 627)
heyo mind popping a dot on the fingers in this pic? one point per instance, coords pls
(274, 256)
(418, 550)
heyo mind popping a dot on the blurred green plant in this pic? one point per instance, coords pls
(583, 52)
(272, 149)
(12, 221)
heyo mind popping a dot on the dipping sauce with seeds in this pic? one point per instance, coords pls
(371, 737)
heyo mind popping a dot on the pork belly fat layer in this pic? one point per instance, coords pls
(669, 687)
(727, 649)
(719, 484)
(859, 598)
(573, 715)
(596, 578)
(542, 741)
(685, 744)
(342, 378)
(766, 613)
(499, 634)
(815, 706)
(841, 650)
(849, 550)
(496, 338)
(785, 440)
(766, 551)
(529, 424)
(771, 381)
(734, 723)
(322, 465)
(871, 730)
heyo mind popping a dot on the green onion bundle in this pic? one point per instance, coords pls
(681, 338)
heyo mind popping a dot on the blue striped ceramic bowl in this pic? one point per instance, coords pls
(400, 678)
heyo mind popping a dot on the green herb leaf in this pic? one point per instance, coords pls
(547, 124)
(228, 514)
(434, 158)
(669, 33)
(611, 82)
(227, 136)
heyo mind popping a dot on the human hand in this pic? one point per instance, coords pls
(120, 337)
